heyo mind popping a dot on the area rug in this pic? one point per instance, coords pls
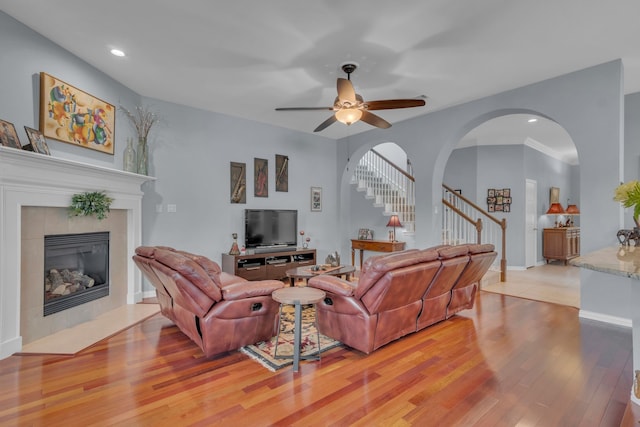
(263, 352)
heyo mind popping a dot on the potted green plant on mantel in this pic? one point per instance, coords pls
(628, 194)
(90, 203)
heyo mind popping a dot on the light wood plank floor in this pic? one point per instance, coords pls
(553, 282)
(508, 362)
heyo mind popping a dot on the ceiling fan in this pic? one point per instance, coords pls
(350, 107)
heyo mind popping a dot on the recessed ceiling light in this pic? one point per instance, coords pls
(532, 120)
(117, 52)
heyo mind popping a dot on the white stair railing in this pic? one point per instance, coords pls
(388, 185)
(462, 222)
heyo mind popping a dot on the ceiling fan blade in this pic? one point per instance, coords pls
(374, 120)
(304, 108)
(326, 123)
(346, 91)
(389, 104)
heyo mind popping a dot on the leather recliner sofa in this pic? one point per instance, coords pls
(401, 293)
(218, 311)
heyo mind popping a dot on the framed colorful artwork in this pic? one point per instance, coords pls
(260, 177)
(8, 135)
(37, 143)
(316, 199)
(238, 181)
(71, 115)
(282, 173)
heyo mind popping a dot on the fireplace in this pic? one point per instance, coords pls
(76, 269)
(35, 192)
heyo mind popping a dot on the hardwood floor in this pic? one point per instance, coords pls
(507, 362)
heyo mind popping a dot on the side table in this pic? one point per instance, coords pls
(373, 245)
(297, 296)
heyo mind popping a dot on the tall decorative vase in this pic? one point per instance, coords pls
(129, 158)
(143, 156)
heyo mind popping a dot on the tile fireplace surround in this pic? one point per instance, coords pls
(34, 180)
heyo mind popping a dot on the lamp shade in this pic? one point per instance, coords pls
(348, 115)
(394, 221)
(573, 210)
(555, 209)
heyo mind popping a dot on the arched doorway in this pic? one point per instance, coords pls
(527, 155)
(375, 179)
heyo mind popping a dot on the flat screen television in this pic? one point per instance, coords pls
(270, 229)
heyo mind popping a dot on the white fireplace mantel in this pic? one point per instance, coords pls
(32, 179)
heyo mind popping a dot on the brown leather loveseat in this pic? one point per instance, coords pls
(218, 311)
(401, 293)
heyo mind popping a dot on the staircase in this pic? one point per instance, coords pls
(465, 222)
(388, 186)
(392, 188)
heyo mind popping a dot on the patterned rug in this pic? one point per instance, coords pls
(263, 352)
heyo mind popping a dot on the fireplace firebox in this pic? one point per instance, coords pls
(76, 270)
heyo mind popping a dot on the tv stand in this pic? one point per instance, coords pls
(267, 265)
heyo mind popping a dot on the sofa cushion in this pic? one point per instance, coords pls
(382, 264)
(190, 269)
(212, 268)
(146, 251)
(480, 248)
(247, 289)
(453, 251)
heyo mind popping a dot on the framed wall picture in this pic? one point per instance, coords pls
(260, 177)
(554, 195)
(316, 199)
(8, 135)
(499, 200)
(238, 182)
(37, 143)
(282, 173)
(71, 115)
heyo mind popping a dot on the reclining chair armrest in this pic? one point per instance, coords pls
(332, 284)
(248, 289)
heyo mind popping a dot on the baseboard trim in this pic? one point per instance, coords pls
(11, 346)
(605, 318)
(148, 294)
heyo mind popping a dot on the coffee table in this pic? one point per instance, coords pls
(306, 273)
(297, 296)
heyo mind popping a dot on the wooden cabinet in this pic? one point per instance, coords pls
(269, 265)
(562, 243)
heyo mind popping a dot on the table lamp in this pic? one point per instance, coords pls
(556, 209)
(394, 222)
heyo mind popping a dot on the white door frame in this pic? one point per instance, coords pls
(531, 223)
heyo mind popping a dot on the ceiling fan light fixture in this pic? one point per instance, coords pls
(348, 115)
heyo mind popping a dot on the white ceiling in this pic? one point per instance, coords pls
(246, 57)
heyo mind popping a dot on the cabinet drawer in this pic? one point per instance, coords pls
(278, 271)
(253, 273)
